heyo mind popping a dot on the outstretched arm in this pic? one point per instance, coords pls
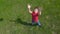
(29, 8)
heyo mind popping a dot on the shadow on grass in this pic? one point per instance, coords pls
(19, 21)
(1, 19)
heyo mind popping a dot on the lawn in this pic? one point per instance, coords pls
(15, 19)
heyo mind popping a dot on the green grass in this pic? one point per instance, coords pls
(14, 16)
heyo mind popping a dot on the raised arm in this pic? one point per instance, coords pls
(29, 8)
(40, 12)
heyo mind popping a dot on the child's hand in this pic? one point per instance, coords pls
(29, 6)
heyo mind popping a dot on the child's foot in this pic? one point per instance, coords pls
(32, 24)
(40, 25)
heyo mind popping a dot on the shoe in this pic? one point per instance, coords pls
(40, 25)
(32, 24)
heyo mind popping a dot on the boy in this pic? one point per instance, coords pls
(35, 13)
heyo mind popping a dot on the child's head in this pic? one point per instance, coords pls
(36, 9)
